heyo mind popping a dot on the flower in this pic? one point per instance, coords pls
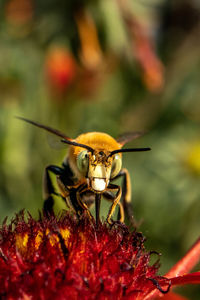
(60, 69)
(19, 12)
(144, 51)
(65, 258)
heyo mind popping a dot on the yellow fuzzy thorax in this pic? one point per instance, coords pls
(96, 140)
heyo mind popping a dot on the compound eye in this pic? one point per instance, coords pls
(116, 165)
(83, 162)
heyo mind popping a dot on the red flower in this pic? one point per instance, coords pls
(63, 258)
(19, 12)
(60, 69)
(143, 49)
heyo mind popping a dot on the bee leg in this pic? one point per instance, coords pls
(74, 202)
(69, 195)
(64, 193)
(113, 187)
(72, 197)
(110, 197)
(120, 215)
(81, 189)
(126, 196)
(48, 189)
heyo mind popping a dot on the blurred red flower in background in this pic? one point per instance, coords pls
(60, 69)
(66, 258)
(143, 48)
(19, 12)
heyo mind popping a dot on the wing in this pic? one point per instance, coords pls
(54, 141)
(129, 136)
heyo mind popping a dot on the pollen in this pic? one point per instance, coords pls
(65, 234)
(53, 238)
(38, 239)
(21, 241)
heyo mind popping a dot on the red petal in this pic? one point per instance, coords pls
(193, 278)
(186, 264)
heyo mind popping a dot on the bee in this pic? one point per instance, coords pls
(93, 162)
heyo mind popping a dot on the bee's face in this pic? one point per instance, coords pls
(98, 168)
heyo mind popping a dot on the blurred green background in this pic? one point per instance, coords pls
(111, 66)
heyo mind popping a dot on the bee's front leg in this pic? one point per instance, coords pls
(48, 189)
(110, 197)
(113, 187)
(80, 190)
(126, 196)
